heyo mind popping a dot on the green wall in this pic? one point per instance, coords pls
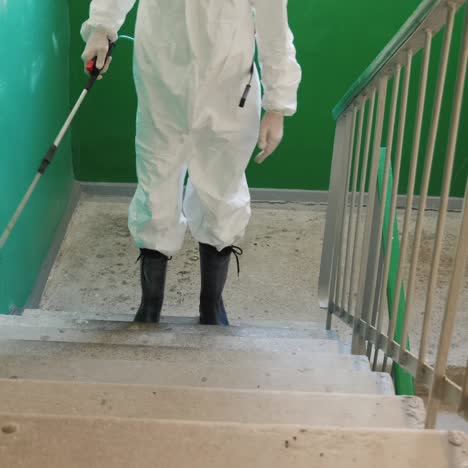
(34, 84)
(104, 132)
(461, 158)
(335, 39)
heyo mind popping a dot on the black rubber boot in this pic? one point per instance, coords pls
(153, 281)
(214, 268)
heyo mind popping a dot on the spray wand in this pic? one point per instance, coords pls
(94, 73)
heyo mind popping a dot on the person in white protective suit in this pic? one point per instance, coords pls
(193, 60)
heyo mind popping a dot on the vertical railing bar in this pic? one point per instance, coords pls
(337, 299)
(449, 160)
(464, 401)
(410, 191)
(361, 194)
(451, 10)
(342, 137)
(365, 305)
(328, 249)
(358, 342)
(331, 309)
(352, 202)
(378, 268)
(454, 292)
(396, 182)
(388, 160)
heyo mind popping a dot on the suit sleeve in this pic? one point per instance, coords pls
(281, 73)
(108, 16)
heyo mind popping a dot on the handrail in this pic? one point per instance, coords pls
(422, 13)
(360, 245)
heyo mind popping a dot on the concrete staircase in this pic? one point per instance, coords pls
(96, 390)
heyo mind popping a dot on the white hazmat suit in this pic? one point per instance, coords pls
(192, 62)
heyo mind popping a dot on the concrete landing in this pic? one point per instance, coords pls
(210, 404)
(202, 374)
(96, 268)
(33, 441)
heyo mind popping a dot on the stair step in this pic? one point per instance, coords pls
(198, 373)
(210, 404)
(30, 350)
(172, 320)
(38, 320)
(33, 441)
(134, 337)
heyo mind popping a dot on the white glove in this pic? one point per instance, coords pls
(271, 134)
(97, 46)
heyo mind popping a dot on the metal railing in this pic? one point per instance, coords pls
(377, 135)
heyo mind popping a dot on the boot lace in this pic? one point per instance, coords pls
(237, 252)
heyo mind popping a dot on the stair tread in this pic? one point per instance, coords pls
(38, 320)
(195, 372)
(210, 404)
(78, 442)
(173, 320)
(246, 358)
(134, 337)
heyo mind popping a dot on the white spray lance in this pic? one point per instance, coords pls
(94, 73)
